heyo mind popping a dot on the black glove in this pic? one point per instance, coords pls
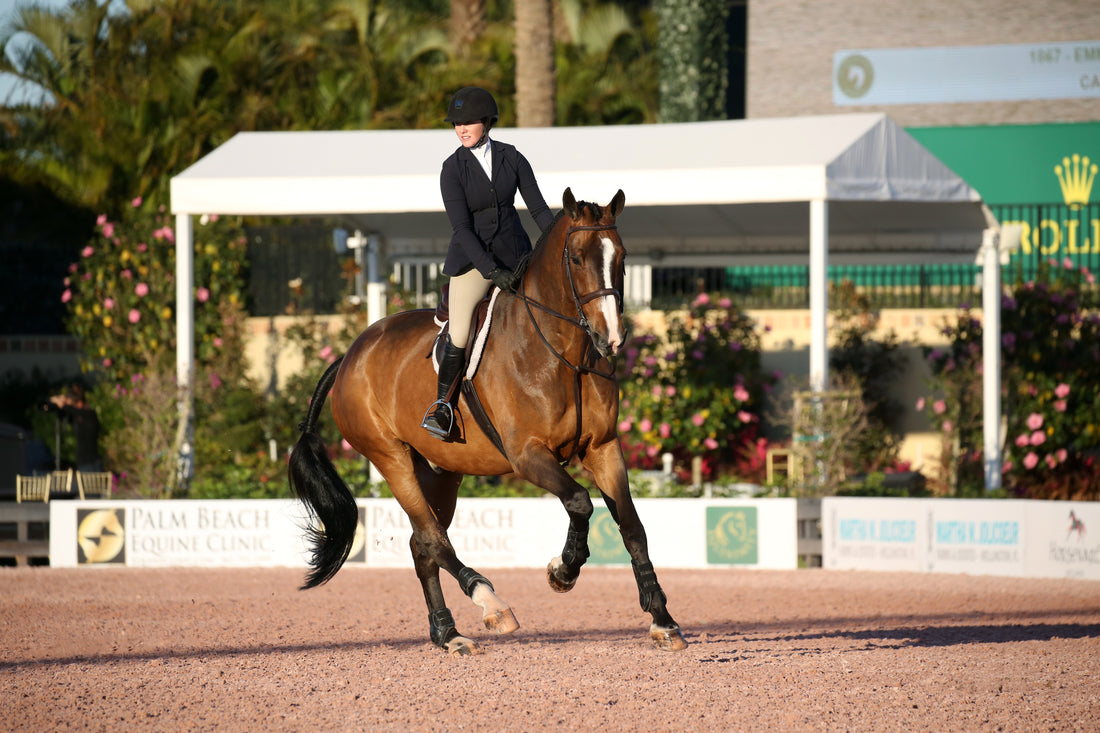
(503, 278)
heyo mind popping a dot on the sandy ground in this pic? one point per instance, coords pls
(244, 650)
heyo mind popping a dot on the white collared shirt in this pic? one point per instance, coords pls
(484, 155)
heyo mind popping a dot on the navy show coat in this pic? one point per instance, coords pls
(487, 232)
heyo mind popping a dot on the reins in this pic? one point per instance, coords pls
(581, 321)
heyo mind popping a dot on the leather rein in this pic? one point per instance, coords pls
(581, 322)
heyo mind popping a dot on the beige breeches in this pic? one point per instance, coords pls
(466, 292)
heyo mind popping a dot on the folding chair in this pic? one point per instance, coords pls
(32, 488)
(61, 482)
(94, 484)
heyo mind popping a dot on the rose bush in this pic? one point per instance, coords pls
(695, 391)
(1050, 389)
(121, 297)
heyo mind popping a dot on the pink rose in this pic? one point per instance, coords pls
(108, 230)
(670, 391)
(87, 251)
(920, 404)
(203, 295)
(939, 407)
(1061, 391)
(645, 425)
(1031, 460)
(745, 417)
(108, 303)
(1051, 460)
(710, 443)
(664, 430)
(66, 296)
(1038, 437)
(1060, 405)
(1023, 440)
(135, 315)
(624, 426)
(136, 202)
(141, 290)
(698, 419)
(101, 220)
(1034, 421)
(740, 393)
(1061, 454)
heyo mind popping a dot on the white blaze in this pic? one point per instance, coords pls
(608, 305)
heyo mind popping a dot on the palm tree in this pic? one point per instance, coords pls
(467, 24)
(534, 63)
(607, 75)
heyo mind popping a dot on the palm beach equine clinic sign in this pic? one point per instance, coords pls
(485, 533)
(944, 75)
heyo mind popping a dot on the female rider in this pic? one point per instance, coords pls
(479, 183)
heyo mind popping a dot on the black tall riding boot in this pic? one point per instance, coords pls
(439, 419)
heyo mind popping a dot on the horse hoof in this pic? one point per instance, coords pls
(460, 646)
(556, 584)
(668, 639)
(501, 622)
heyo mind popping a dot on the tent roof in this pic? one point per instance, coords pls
(703, 189)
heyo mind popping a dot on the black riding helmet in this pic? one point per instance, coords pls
(472, 103)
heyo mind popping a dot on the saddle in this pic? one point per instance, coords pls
(479, 329)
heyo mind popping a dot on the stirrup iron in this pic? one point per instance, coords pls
(432, 422)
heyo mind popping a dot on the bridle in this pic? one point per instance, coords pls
(588, 363)
(581, 321)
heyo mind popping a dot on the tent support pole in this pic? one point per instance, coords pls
(185, 350)
(819, 294)
(991, 358)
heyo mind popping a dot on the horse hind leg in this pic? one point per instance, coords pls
(432, 550)
(441, 624)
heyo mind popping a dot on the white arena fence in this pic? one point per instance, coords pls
(979, 536)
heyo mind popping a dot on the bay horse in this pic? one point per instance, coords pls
(547, 386)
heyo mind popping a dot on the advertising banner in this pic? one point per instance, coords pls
(977, 536)
(1011, 537)
(226, 533)
(952, 74)
(874, 534)
(1063, 540)
(485, 533)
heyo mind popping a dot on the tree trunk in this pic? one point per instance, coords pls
(467, 24)
(534, 63)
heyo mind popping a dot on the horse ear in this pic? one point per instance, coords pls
(618, 203)
(569, 204)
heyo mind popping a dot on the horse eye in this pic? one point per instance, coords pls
(574, 258)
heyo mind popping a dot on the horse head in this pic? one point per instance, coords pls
(593, 262)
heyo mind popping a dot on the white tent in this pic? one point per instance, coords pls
(852, 188)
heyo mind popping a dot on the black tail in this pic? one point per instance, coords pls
(316, 483)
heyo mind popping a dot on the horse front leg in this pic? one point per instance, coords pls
(539, 467)
(607, 465)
